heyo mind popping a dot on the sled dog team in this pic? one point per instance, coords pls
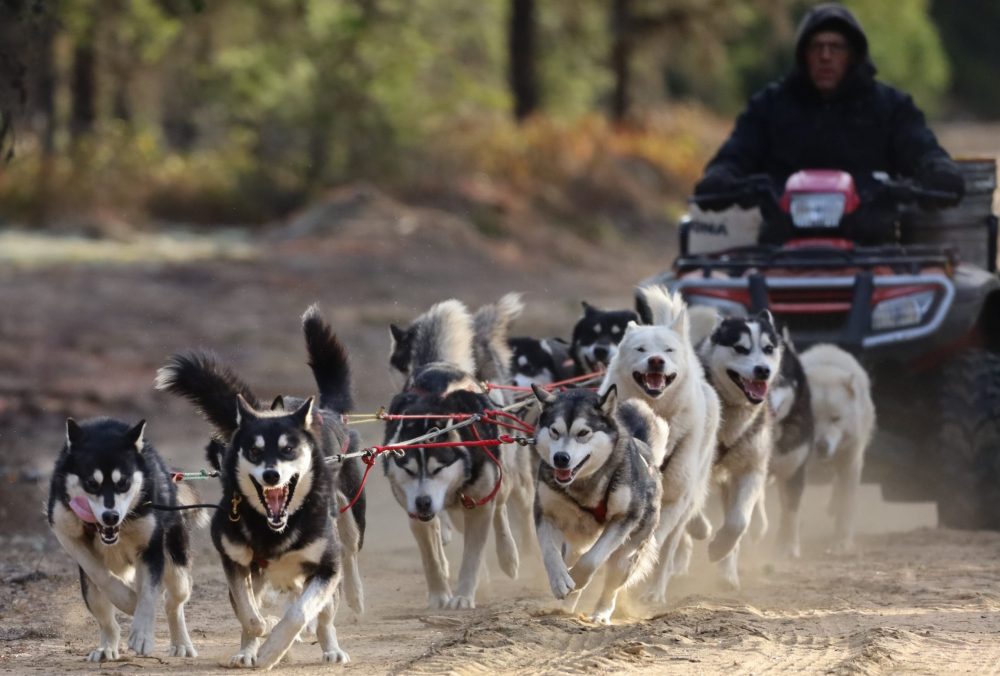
(617, 482)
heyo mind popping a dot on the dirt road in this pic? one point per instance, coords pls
(84, 338)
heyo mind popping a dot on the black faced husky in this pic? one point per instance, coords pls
(599, 491)
(742, 358)
(436, 353)
(274, 523)
(105, 483)
(596, 336)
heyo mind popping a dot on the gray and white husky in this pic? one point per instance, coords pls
(106, 481)
(436, 353)
(742, 358)
(599, 491)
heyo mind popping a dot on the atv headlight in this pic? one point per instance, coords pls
(817, 210)
(903, 311)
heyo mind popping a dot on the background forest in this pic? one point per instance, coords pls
(596, 113)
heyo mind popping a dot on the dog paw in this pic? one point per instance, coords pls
(438, 600)
(244, 658)
(459, 602)
(105, 654)
(562, 583)
(509, 563)
(182, 650)
(601, 616)
(337, 655)
(723, 542)
(141, 641)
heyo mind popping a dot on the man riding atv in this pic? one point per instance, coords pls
(830, 161)
(830, 113)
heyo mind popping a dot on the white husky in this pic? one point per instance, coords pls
(844, 416)
(658, 365)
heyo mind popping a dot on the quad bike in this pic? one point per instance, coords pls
(913, 294)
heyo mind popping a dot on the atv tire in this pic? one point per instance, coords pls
(968, 453)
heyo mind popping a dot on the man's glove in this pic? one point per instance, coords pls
(717, 190)
(941, 177)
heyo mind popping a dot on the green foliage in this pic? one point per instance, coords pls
(906, 48)
(969, 32)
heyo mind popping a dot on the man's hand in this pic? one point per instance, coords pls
(943, 180)
(717, 190)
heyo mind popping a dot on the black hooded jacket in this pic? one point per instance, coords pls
(864, 126)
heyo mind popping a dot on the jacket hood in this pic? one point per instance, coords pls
(835, 17)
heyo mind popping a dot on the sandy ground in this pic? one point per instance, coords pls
(85, 337)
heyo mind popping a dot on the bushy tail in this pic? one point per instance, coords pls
(210, 386)
(328, 361)
(658, 306)
(444, 333)
(491, 325)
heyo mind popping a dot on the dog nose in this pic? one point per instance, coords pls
(560, 460)
(601, 353)
(761, 372)
(656, 363)
(423, 504)
(823, 447)
(110, 518)
(271, 477)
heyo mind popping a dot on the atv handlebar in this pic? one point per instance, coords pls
(758, 190)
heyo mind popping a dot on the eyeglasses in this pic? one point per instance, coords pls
(834, 47)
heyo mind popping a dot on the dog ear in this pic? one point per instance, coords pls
(244, 411)
(588, 309)
(398, 334)
(74, 433)
(278, 404)
(609, 401)
(135, 436)
(765, 316)
(542, 395)
(303, 415)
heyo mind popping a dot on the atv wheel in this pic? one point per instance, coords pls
(969, 442)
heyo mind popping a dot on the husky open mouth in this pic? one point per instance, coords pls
(754, 390)
(653, 383)
(565, 476)
(275, 500)
(109, 534)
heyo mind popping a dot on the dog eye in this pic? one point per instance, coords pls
(289, 451)
(582, 434)
(253, 454)
(739, 349)
(91, 486)
(768, 349)
(640, 349)
(554, 433)
(123, 485)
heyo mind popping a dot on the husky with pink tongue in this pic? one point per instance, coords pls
(742, 357)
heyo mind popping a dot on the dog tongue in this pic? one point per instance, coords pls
(656, 381)
(81, 508)
(275, 500)
(563, 474)
(756, 388)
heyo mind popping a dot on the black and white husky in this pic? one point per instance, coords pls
(596, 336)
(742, 358)
(539, 361)
(436, 354)
(105, 483)
(274, 524)
(599, 491)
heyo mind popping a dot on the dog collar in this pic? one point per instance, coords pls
(470, 502)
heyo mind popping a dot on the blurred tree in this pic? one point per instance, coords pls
(969, 32)
(523, 81)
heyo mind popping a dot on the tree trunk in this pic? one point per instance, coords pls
(523, 80)
(621, 52)
(83, 86)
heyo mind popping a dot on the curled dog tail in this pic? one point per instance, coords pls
(443, 334)
(491, 325)
(210, 386)
(655, 305)
(328, 361)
